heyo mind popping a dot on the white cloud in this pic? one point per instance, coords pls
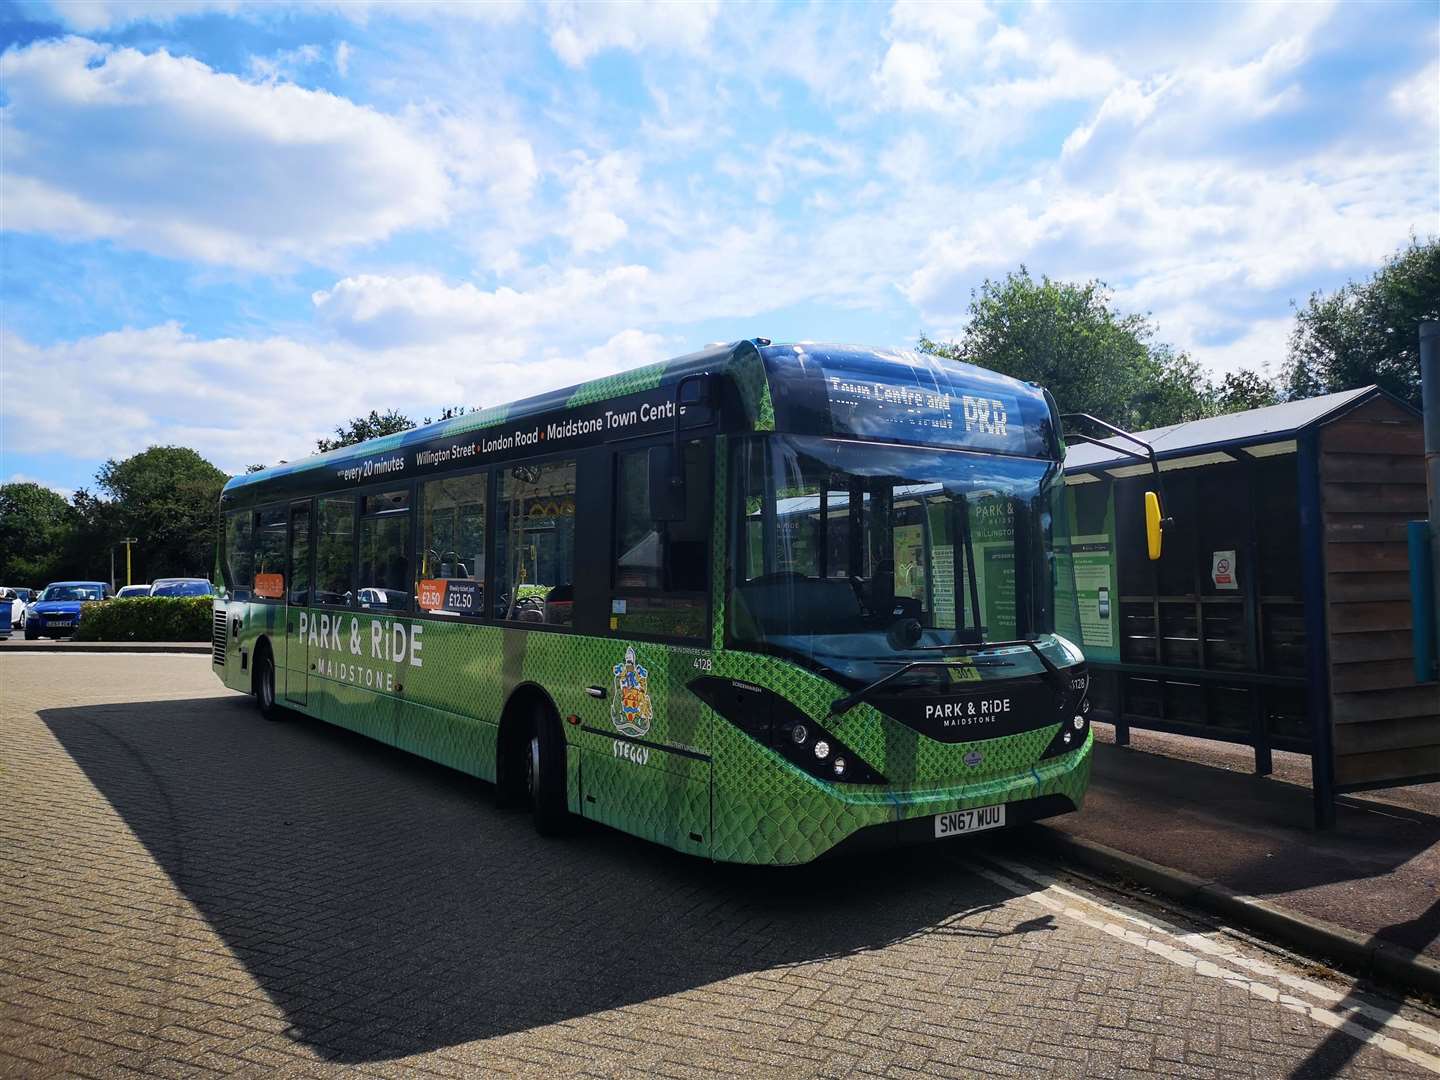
(599, 189)
(160, 385)
(376, 311)
(26, 478)
(579, 31)
(100, 16)
(162, 153)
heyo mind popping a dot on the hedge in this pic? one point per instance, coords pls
(147, 618)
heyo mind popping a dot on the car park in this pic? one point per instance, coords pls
(58, 610)
(182, 586)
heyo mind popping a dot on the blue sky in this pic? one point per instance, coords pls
(233, 226)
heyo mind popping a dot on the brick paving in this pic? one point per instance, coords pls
(186, 890)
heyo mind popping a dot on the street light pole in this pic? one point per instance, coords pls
(127, 541)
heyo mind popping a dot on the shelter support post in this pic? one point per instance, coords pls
(1317, 660)
(1430, 403)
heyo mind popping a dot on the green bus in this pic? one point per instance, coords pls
(759, 603)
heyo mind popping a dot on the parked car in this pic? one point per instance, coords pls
(57, 612)
(182, 586)
(128, 592)
(19, 601)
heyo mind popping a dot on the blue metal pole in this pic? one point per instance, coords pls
(1422, 600)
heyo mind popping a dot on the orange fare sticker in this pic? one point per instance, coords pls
(432, 595)
(270, 586)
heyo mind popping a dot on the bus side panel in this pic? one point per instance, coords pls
(643, 739)
(453, 696)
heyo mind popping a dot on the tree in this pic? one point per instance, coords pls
(1245, 389)
(1070, 339)
(168, 498)
(34, 525)
(1368, 332)
(366, 427)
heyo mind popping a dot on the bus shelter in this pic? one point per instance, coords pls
(1279, 614)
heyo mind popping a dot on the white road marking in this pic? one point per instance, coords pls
(1202, 943)
(1161, 942)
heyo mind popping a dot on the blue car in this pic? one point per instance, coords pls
(57, 612)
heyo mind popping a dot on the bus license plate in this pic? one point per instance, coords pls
(967, 821)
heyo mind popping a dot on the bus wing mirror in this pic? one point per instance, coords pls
(1154, 525)
(667, 484)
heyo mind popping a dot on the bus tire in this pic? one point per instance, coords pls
(545, 774)
(264, 682)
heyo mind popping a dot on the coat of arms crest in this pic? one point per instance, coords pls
(630, 709)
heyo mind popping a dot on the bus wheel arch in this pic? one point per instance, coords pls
(530, 758)
(262, 679)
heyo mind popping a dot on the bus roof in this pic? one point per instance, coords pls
(802, 388)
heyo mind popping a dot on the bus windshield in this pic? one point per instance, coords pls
(852, 555)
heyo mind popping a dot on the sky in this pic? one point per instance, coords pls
(232, 227)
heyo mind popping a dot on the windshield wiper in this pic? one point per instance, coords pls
(849, 701)
(1052, 674)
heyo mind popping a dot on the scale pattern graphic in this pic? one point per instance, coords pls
(765, 810)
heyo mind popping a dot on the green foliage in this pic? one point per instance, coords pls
(1070, 339)
(366, 427)
(166, 497)
(34, 522)
(1368, 332)
(146, 618)
(1241, 390)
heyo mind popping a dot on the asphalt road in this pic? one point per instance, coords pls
(187, 890)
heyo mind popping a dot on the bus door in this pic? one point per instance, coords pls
(297, 598)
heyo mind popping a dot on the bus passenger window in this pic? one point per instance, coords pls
(239, 552)
(384, 552)
(335, 551)
(661, 569)
(535, 544)
(452, 546)
(270, 552)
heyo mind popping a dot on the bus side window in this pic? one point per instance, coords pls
(270, 553)
(452, 545)
(535, 543)
(385, 551)
(661, 569)
(239, 553)
(335, 551)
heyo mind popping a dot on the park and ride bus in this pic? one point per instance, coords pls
(759, 603)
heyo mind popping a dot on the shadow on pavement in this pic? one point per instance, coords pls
(1376, 873)
(388, 908)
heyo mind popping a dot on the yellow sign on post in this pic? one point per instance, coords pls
(1153, 528)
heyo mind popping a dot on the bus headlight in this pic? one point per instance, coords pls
(777, 723)
(1071, 736)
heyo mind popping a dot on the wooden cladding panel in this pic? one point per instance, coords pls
(1400, 703)
(1376, 768)
(1375, 468)
(1368, 498)
(1369, 528)
(1367, 588)
(1367, 558)
(1364, 648)
(1374, 675)
(1410, 733)
(1372, 482)
(1362, 616)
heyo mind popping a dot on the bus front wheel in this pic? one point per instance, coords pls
(545, 774)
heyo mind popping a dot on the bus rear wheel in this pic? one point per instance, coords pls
(265, 684)
(545, 774)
